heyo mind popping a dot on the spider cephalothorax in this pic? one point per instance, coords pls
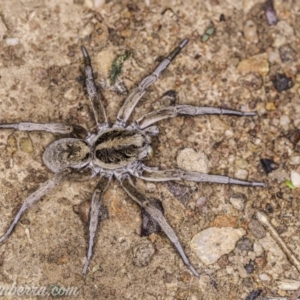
(118, 151)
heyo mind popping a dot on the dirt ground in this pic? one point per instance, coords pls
(41, 80)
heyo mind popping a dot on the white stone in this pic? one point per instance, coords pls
(264, 277)
(250, 31)
(295, 160)
(241, 174)
(258, 249)
(284, 120)
(211, 243)
(295, 178)
(288, 284)
(12, 41)
(237, 202)
(191, 160)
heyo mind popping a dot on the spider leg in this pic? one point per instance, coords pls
(96, 204)
(139, 91)
(59, 128)
(156, 214)
(187, 110)
(151, 174)
(34, 197)
(94, 95)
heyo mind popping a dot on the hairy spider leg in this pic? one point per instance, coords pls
(183, 110)
(56, 128)
(96, 205)
(93, 93)
(34, 197)
(139, 91)
(156, 214)
(151, 174)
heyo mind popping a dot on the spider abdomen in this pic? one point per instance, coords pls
(115, 148)
(65, 153)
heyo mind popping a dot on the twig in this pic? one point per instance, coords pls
(262, 218)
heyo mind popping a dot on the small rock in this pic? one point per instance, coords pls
(11, 146)
(264, 277)
(269, 208)
(12, 41)
(270, 12)
(294, 136)
(189, 159)
(211, 243)
(268, 165)
(181, 192)
(256, 229)
(142, 254)
(249, 267)
(26, 145)
(151, 187)
(250, 31)
(252, 81)
(223, 261)
(287, 54)
(257, 63)
(244, 244)
(258, 249)
(284, 121)
(241, 174)
(225, 221)
(253, 295)
(282, 83)
(182, 294)
(288, 284)
(295, 160)
(238, 201)
(295, 178)
(104, 60)
(241, 163)
(261, 261)
(270, 106)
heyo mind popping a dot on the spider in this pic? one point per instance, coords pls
(118, 151)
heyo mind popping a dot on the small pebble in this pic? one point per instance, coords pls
(26, 145)
(282, 83)
(268, 165)
(244, 244)
(295, 178)
(288, 284)
(254, 294)
(294, 136)
(284, 121)
(211, 243)
(264, 277)
(250, 31)
(12, 41)
(249, 268)
(258, 249)
(241, 174)
(238, 201)
(257, 63)
(295, 160)
(251, 81)
(287, 54)
(256, 229)
(143, 253)
(270, 12)
(191, 160)
(270, 106)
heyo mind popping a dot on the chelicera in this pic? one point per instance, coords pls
(118, 151)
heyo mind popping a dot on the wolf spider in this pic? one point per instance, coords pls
(118, 151)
